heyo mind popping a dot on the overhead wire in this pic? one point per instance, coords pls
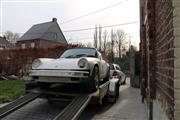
(90, 38)
(91, 28)
(91, 13)
(106, 26)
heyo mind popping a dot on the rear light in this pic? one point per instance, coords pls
(93, 102)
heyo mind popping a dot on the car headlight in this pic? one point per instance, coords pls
(36, 63)
(82, 63)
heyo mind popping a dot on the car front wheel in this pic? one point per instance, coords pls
(93, 83)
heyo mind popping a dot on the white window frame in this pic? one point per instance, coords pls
(23, 45)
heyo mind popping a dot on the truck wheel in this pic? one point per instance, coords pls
(124, 81)
(93, 83)
(112, 99)
(117, 91)
(107, 77)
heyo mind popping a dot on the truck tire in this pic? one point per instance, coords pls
(124, 82)
(107, 77)
(112, 99)
(93, 83)
(117, 91)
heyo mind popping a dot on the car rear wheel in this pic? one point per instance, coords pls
(93, 83)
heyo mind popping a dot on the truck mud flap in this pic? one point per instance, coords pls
(74, 109)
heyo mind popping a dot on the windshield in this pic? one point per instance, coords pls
(79, 52)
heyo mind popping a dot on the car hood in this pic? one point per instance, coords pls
(61, 63)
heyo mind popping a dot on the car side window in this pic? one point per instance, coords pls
(111, 67)
(96, 54)
(118, 68)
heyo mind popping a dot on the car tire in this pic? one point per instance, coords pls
(93, 83)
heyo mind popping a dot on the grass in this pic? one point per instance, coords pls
(11, 89)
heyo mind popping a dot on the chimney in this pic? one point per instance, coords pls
(54, 20)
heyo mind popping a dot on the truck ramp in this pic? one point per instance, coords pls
(17, 104)
(74, 109)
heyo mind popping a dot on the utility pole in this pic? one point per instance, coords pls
(100, 41)
(112, 45)
(129, 43)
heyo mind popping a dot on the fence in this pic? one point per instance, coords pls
(14, 61)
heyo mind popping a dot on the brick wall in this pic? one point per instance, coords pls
(176, 22)
(165, 55)
(46, 43)
(158, 52)
(15, 60)
(39, 43)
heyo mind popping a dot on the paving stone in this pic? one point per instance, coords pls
(127, 107)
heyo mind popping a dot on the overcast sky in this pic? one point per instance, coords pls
(19, 15)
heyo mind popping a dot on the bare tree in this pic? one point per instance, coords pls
(121, 42)
(95, 38)
(112, 45)
(11, 37)
(105, 36)
(89, 44)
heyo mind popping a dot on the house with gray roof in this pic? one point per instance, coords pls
(43, 35)
(4, 44)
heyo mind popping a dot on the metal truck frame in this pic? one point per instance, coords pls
(72, 111)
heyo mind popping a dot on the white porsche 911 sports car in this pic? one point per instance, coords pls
(76, 65)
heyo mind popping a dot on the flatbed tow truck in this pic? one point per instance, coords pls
(78, 99)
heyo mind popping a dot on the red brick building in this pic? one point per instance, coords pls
(160, 57)
(43, 35)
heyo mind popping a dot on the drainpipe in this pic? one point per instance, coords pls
(152, 55)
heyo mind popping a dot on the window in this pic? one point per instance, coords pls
(79, 52)
(2, 47)
(111, 67)
(23, 45)
(117, 67)
(32, 45)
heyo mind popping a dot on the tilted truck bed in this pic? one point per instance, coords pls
(73, 110)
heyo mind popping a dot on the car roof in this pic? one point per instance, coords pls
(114, 64)
(83, 48)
